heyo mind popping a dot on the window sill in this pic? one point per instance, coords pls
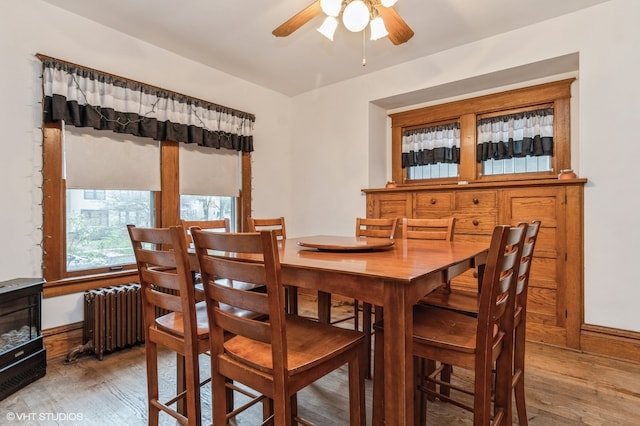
(83, 283)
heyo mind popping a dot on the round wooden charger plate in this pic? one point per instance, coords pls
(334, 243)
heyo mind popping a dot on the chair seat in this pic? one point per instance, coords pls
(445, 329)
(174, 324)
(457, 300)
(309, 343)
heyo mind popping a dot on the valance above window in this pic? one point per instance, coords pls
(431, 145)
(516, 135)
(84, 97)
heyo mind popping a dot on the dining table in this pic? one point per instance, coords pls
(392, 274)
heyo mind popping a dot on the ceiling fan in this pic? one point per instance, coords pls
(398, 30)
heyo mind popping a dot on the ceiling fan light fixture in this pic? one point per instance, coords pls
(331, 7)
(356, 16)
(388, 3)
(378, 29)
(328, 27)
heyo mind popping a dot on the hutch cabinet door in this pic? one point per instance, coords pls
(554, 302)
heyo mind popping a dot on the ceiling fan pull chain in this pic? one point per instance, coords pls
(364, 43)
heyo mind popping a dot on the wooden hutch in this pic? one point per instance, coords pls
(480, 202)
(555, 286)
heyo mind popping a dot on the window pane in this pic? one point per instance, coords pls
(516, 143)
(526, 164)
(97, 221)
(431, 152)
(208, 207)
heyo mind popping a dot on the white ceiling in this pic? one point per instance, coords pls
(234, 36)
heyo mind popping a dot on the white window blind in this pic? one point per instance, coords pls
(209, 171)
(99, 159)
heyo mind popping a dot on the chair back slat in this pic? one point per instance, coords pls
(162, 278)
(164, 301)
(252, 329)
(238, 298)
(155, 256)
(428, 229)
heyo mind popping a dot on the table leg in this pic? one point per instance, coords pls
(324, 307)
(398, 356)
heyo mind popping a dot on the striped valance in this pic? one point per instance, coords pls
(431, 145)
(84, 97)
(516, 135)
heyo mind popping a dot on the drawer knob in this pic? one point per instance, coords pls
(433, 201)
(476, 201)
(476, 222)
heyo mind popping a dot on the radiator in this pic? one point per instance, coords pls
(112, 320)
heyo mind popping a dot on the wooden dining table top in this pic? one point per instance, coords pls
(405, 261)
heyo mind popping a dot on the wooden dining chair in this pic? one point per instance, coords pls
(277, 357)
(213, 225)
(474, 343)
(428, 229)
(181, 324)
(376, 227)
(467, 302)
(167, 286)
(278, 226)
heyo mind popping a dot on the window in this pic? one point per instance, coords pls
(516, 143)
(125, 171)
(97, 236)
(110, 179)
(90, 247)
(519, 134)
(209, 186)
(431, 152)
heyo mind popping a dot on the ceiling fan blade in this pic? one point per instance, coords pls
(298, 20)
(399, 31)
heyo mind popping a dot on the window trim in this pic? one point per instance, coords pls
(468, 111)
(167, 205)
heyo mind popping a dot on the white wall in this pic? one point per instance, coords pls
(28, 27)
(605, 37)
(316, 181)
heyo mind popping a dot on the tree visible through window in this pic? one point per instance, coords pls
(96, 228)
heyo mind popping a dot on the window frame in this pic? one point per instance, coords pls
(59, 281)
(468, 111)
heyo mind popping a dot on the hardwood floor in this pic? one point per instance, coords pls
(563, 388)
